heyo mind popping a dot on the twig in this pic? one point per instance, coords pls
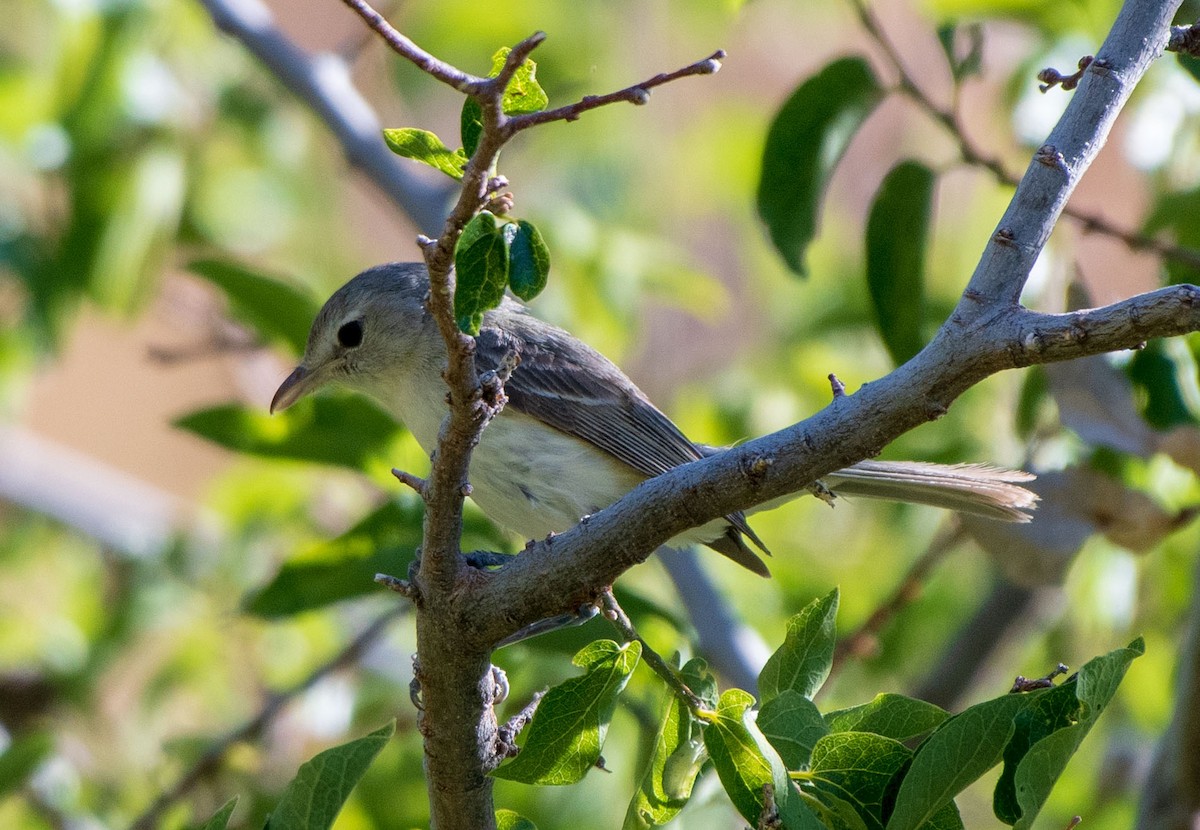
(620, 620)
(506, 735)
(324, 85)
(210, 760)
(638, 94)
(1185, 40)
(864, 640)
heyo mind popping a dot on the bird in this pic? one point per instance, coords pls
(576, 434)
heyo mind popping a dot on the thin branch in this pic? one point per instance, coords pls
(1185, 40)
(323, 83)
(620, 620)
(212, 758)
(638, 94)
(865, 639)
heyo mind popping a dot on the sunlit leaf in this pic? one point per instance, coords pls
(508, 820)
(804, 144)
(802, 662)
(316, 795)
(858, 767)
(567, 733)
(793, 725)
(427, 148)
(891, 715)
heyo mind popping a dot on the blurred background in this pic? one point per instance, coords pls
(171, 557)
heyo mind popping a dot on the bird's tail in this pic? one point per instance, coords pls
(979, 489)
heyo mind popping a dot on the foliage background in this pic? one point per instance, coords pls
(134, 139)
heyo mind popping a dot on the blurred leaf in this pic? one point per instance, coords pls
(897, 235)
(962, 65)
(1190, 64)
(220, 819)
(508, 820)
(676, 757)
(345, 567)
(793, 725)
(567, 733)
(745, 761)
(316, 795)
(1177, 213)
(804, 144)
(22, 757)
(528, 259)
(890, 715)
(481, 265)
(347, 431)
(269, 305)
(427, 148)
(1048, 734)
(965, 747)
(1159, 370)
(802, 662)
(858, 767)
(1035, 386)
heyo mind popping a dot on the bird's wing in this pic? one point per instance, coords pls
(566, 384)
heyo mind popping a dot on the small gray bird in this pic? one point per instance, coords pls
(576, 434)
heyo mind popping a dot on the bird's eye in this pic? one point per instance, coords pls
(350, 334)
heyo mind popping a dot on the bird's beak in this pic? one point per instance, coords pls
(298, 384)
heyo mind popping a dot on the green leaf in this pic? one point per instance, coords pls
(891, 715)
(272, 307)
(346, 431)
(427, 148)
(1049, 733)
(470, 126)
(383, 542)
(804, 144)
(528, 259)
(481, 264)
(965, 747)
(220, 819)
(1162, 372)
(676, 757)
(858, 768)
(567, 733)
(833, 812)
(897, 235)
(802, 662)
(316, 795)
(745, 761)
(969, 63)
(508, 820)
(793, 725)
(21, 759)
(523, 95)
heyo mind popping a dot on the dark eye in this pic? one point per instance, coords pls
(350, 334)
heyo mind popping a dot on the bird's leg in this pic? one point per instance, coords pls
(818, 489)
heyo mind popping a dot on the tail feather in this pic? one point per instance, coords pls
(979, 489)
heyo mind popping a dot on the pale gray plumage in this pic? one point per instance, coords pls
(576, 433)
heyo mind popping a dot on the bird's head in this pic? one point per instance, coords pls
(367, 331)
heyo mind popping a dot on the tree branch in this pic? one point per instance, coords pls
(988, 332)
(323, 83)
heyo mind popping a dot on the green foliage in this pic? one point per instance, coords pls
(270, 306)
(481, 264)
(802, 662)
(793, 725)
(427, 148)
(315, 796)
(21, 759)
(676, 757)
(857, 768)
(508, 820)
(347, 431)
(568, 730)
(528, 259)
(891, 715)
(805, 142)
(897, 236)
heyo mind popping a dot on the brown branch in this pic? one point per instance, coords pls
(212, 757)
(638, 94)
(620, 620)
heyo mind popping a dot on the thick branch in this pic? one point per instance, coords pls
(323, 84)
